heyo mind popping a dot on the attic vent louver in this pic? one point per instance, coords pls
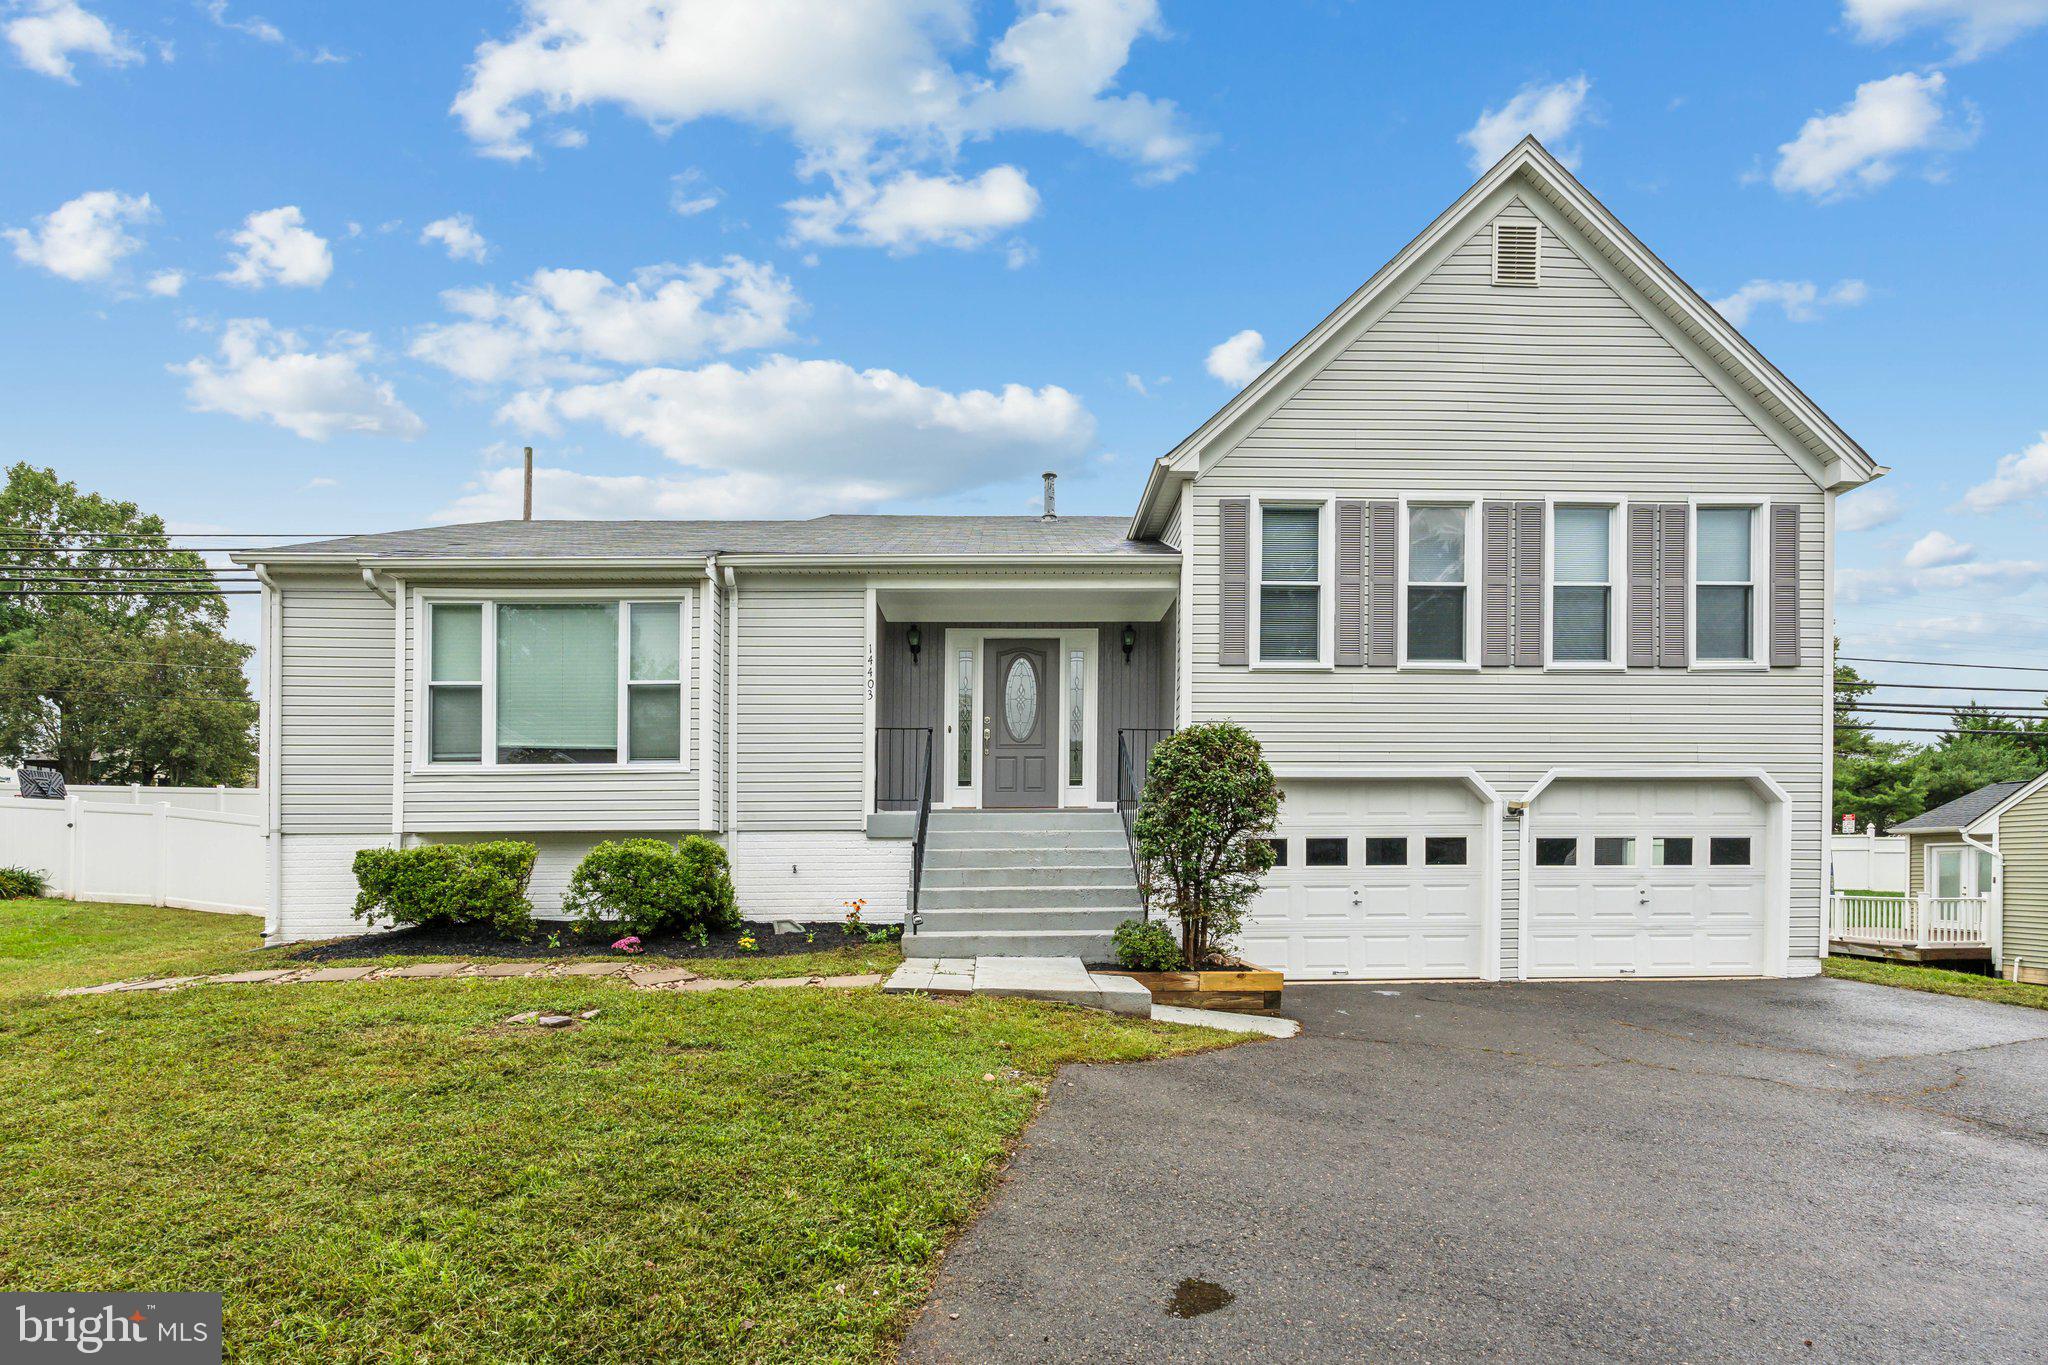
(1514, 253)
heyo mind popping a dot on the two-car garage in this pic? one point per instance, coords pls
(1398, 876)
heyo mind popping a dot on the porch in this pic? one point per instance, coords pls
(1913, 928)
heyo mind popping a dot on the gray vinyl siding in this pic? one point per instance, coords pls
(475, 799)
(799, 731)
(334, 708)
(1916, 860)
(1465, 390)
(2023, 842)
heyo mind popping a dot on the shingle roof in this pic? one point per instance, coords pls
(1962, 812)
(852, 536)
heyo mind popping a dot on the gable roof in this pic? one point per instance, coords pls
(1844, 463)
(829, 537)
(1964, 811)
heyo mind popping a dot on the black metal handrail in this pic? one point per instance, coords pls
(1133, 759)
(924, 820)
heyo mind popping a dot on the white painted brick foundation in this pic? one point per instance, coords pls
(320, 885)
(806, 875)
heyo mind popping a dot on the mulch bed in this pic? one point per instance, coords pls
(567, 940)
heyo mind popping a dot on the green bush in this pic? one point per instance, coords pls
(446, 884)
(650, 886)
(1145, 947)
(21, 883)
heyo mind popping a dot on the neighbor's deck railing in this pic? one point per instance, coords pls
(1910, 921)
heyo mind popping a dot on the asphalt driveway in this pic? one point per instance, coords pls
(1796, 1169)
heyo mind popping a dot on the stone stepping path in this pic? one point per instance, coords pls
(639, 976)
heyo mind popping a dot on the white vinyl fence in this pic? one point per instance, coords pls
(149, 852)
(1870, 862)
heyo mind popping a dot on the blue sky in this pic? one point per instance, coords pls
(899, 255)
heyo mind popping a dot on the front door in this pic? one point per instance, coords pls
(1019, 724)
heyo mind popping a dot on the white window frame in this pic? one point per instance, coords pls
(1470, 663)
(1617, 548)
(1759, 585)
(1325, 584)
(427, 599)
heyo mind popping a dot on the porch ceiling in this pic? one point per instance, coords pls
(995, 603)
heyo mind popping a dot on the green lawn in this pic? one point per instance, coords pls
(387, 1172)
(1938, 981)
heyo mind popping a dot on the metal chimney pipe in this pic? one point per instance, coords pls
(526, 514)
(1050, 515)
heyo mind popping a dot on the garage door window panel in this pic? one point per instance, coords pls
(1444, 850)
(1614, 851)
(1439, 571)
(1557, 853)
(1326, 852)
(1726, 851)
(1386, 851)
(1668, 851)
(1279, 847)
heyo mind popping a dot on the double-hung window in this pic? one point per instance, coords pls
(1724, 578)
(545, 682)
(1582, 585)
(1437, 576)
(1290, 584)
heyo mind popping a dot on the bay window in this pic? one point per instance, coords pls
(1724, 584)
(544, 682)
(1290, 584)
(1582, 585)
(1437, 576)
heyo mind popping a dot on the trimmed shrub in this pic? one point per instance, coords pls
(22, 883)
(1145, 947)
(444, 884)
(1208, 804)
(650, 886)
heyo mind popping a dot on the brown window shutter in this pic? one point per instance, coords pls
(1496, 584)
(1382, 564)
(1350, 585)
(1643, 519)
(1674, 591)
(1784, 585)
(1234, 594)
(1529, 602)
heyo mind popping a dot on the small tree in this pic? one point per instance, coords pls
(1208, 804)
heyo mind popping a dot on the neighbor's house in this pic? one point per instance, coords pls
(1519, 564)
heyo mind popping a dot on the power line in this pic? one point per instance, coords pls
(1938, 663)
(1972, 688)
(1925, 730)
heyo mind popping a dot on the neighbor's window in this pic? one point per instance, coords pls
(963, 720)
(1582, 586)
(1726, 585)
(1290, 584)
(1436, 584)
(1076, 710)
(455, 690)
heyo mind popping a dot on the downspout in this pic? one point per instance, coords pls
(710, 719)
(266, 750)
(370, 582)
(732, 707)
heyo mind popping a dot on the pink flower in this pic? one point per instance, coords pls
(629, 944)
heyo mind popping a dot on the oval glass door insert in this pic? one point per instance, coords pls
(1020, 699)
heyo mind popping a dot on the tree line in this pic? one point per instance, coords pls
(1883, 781)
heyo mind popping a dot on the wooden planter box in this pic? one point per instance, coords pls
(1249, 991)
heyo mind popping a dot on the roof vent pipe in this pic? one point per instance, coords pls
(1050, 515)
(526, 505)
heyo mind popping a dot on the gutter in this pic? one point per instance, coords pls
(266, 750)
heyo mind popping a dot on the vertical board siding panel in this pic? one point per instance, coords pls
(1674, 587)
(1529, 585)
(1132, 696)
(1496, 584)
(1785, 585)
(1233, 548)
(1382, 557)
(1350, 584)
(1643, 520)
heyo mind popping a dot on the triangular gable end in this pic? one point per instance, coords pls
(1530, 175)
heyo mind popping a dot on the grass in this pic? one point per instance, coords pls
(1935, 979)
(387, 1172)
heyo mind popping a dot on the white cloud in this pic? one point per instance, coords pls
(790, 435)
(1547, 112)
(322, 481)
(1937, 548)
(267, 374)
(276, 247)
(1136, 384)
(1866, 509)
(555, 324)
(2018, 477)
(1859, 586)
(913, 210)
(1860, 145)
(867, 91)
(166, 284)
(52, 32)
(458, 235)
(1238, 360)
(689, 194)
(1801, 300)
(84, 238)
(1973, 27)
(262, 30)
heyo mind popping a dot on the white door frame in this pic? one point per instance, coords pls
(953, 796)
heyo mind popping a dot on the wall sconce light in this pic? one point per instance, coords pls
(915, 639)
(1130, 641)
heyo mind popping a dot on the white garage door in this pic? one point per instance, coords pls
(1378, 879)
(1646, 879)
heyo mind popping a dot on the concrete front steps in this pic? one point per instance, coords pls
(1023, 884)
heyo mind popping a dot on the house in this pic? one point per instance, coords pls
(1976, 886)
(1519, 564)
